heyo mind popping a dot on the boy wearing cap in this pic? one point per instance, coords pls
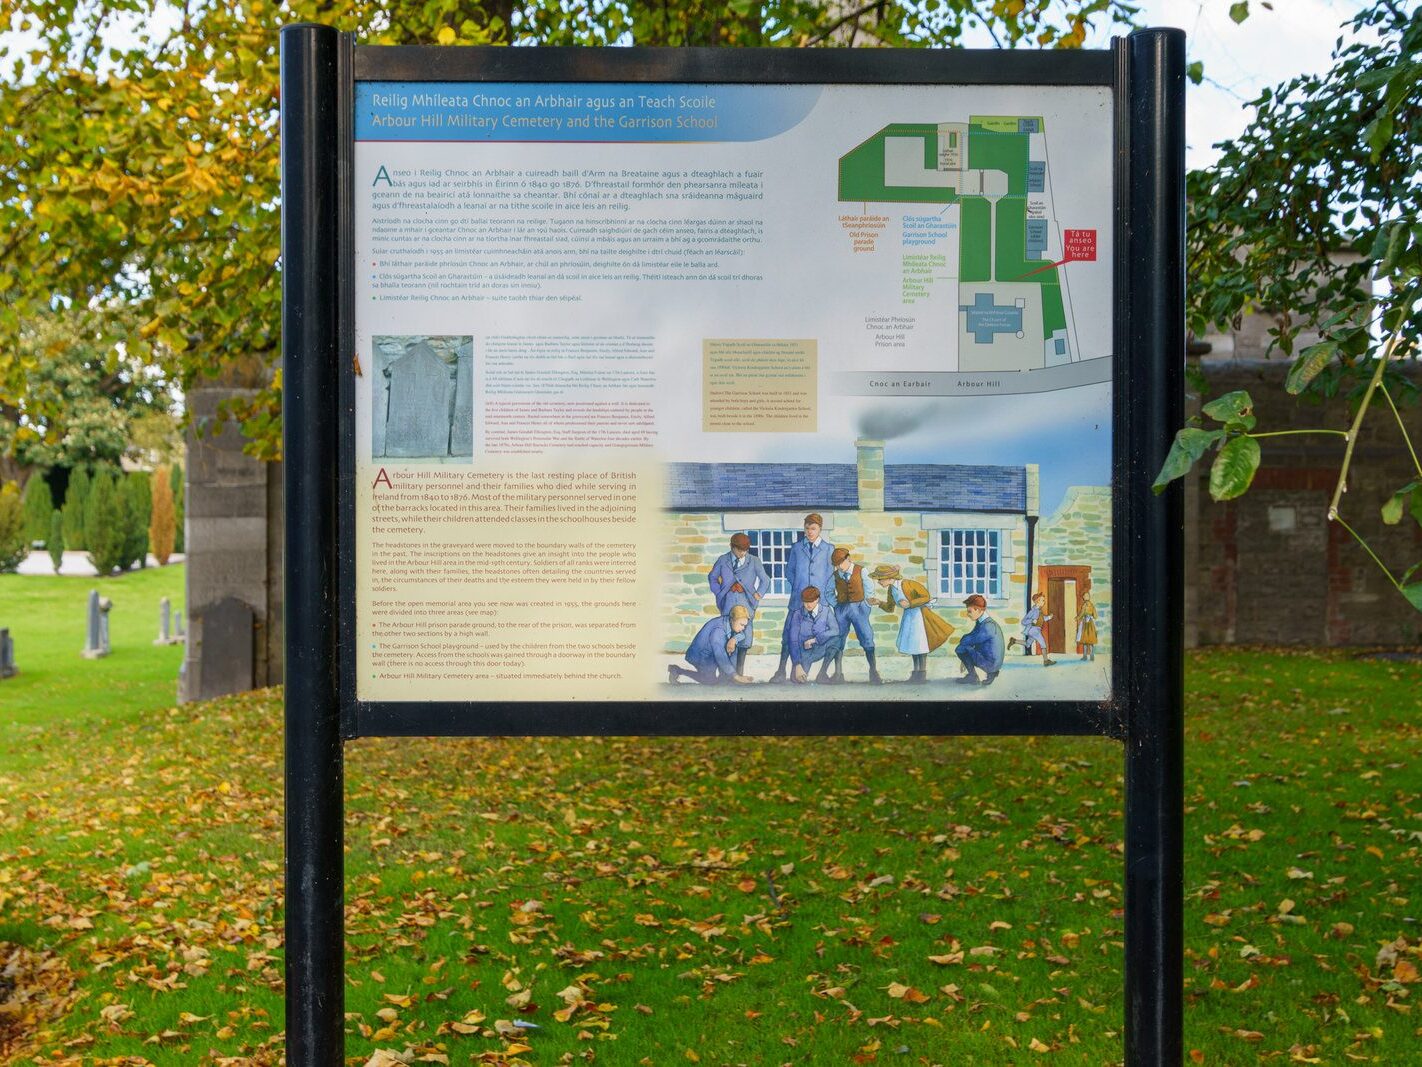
(814, 636)
(807, 566)
(981, 647)
(851, 612)
(711, 650)
(737, 577)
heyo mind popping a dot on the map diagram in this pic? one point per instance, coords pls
(992, 173)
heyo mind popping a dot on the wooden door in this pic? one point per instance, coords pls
(1066, 588)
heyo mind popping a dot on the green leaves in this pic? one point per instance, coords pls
(1234, 467)
(1195, 72)
(1409, 497)
(1238, 12)
(1235, 410)
(1325, 163)
(1189, 445)
(1309, 365)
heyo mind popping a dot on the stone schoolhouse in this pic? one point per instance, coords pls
(959, 529)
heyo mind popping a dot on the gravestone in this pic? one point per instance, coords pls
(420, 404)
(7, 656)
(96, 639)
(221, 654)
(461, 430)
(179, 634)
(165, 621)
(233, 535)
(379, 412)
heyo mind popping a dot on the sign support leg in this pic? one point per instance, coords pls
(1153, 378)
(315, 936)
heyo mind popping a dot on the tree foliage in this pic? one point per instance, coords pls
(106, 524)
(77, 389)
(138, 490)
(175, 481)
(162, 520)
(1317, 199)
(1313, 215)
(54, 543)
(39, 505)
(14, 543)
(75, 498)
(141, 166)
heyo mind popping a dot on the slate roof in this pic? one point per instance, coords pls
(830, 486)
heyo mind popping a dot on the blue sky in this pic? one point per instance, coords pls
(1066, 433)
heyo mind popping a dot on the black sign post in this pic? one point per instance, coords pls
(319, 70)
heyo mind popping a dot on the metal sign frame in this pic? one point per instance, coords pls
(319, 70)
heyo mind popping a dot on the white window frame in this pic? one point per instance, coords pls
(766, 543)
(984, 549)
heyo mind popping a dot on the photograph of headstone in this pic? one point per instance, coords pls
(423, 398)
(96, 640)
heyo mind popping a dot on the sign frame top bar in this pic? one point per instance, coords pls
(884, 66)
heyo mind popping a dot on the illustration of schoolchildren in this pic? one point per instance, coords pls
(1086, 628)
(921, 629)
(851, 612)
(982, 647)
(1032, 636)
(712, 648)
(807, 566)
(814, 636)
(737, 577)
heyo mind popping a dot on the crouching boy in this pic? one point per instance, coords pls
(712, 649)
(814, 636)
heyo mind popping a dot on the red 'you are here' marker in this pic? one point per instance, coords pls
(1078, 246)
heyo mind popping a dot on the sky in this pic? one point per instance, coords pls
(1242, 59)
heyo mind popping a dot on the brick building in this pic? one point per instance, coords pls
(1269, 568)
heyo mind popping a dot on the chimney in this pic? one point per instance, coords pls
(871, 474)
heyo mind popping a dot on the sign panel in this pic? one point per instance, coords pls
(639, 360)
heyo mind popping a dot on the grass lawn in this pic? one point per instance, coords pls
(806, 901)
(48, 616)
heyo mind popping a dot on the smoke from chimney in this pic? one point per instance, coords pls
(885, 424)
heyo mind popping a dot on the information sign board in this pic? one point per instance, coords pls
(731, 391)
(626, 340)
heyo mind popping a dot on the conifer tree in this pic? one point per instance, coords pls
(106, 524)
(179, 508)
(75, 499)
(14, 546)
(138, 494)
(39, 502)
(161, 520)
(55, 541)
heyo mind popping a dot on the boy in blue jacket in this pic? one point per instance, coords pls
(813, 636)
(712, 648)
(982, 647)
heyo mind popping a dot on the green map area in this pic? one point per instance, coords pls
(985, 167)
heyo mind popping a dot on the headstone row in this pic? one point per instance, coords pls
(170, 625)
